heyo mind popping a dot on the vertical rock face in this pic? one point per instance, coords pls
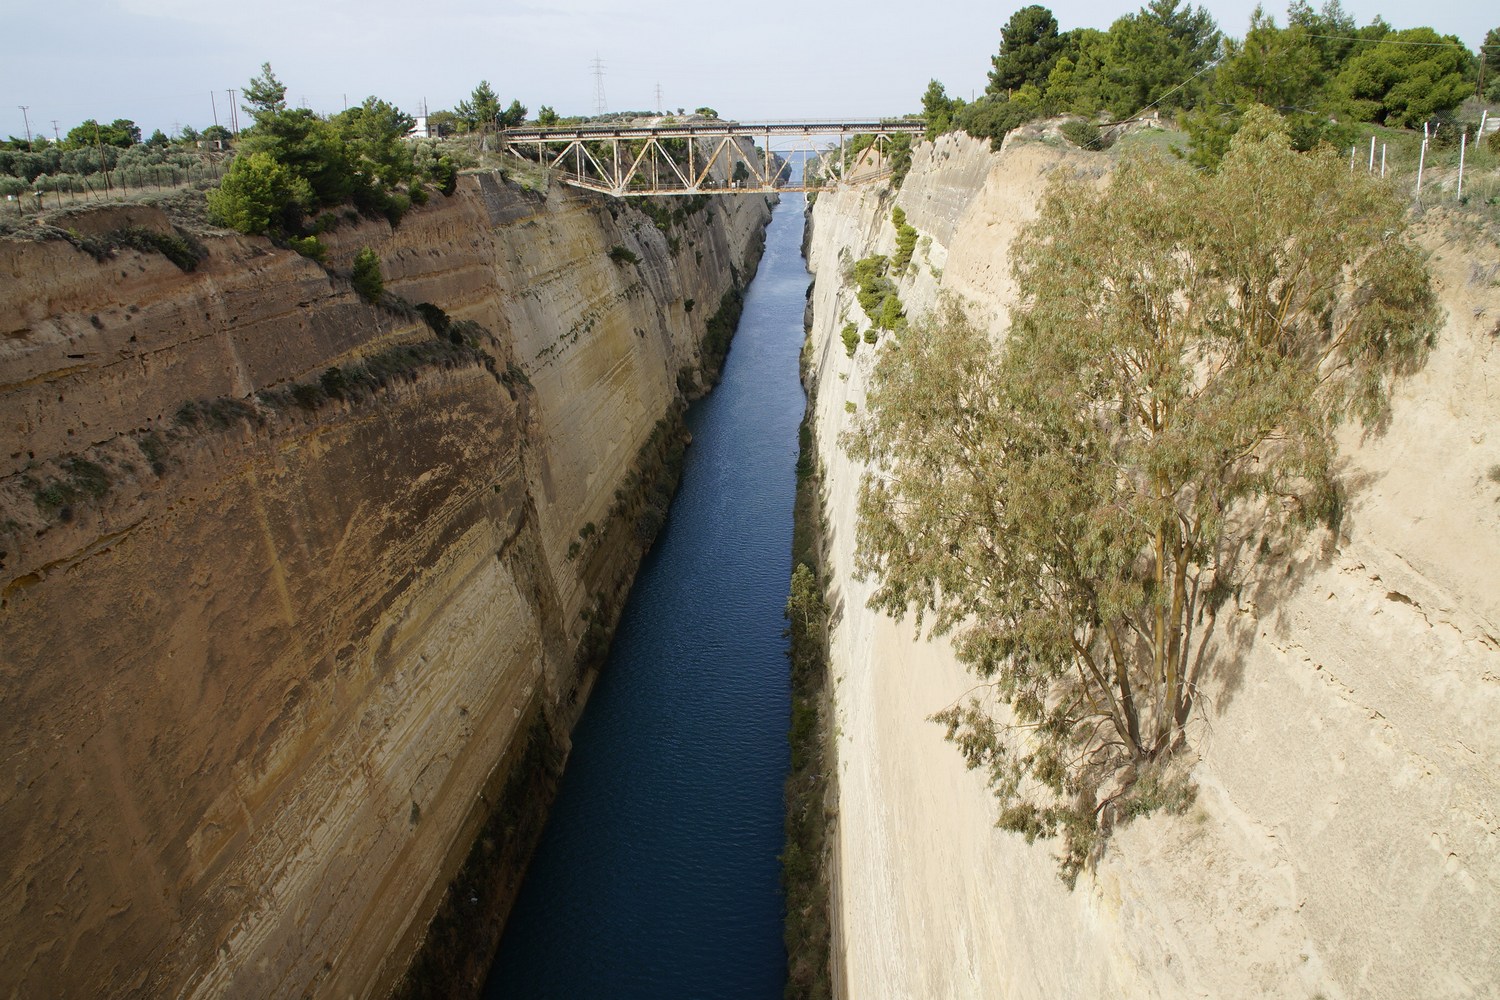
(1345, 841)
(264, 657)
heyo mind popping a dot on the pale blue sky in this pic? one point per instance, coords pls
(156, 61)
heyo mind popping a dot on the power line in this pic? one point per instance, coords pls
(1174, 90)
(1396, 41)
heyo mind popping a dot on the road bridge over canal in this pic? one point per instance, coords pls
(679, 157)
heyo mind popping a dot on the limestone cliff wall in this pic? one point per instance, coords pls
(1345, 841)
(266, 657)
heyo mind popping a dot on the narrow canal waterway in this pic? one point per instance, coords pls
(658, 875)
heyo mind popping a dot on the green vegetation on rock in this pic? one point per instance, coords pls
(876, 292)
(1076, 505)
(906, 241)
(850, 336)
(366, 277)
(808, 792)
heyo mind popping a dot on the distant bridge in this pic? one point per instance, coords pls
(666, 158)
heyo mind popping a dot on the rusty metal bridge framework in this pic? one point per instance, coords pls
(632, 161)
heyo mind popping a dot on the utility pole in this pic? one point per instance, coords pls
(215, 105)
(658, 98)
(55, 134)
(234, 118)
(27, 120)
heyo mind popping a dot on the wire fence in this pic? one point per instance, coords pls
(52, 191)
(1435, 166)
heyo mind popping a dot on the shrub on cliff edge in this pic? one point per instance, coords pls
(366, 277)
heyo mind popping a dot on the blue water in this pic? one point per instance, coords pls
(657, 876)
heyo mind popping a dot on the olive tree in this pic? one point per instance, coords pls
(1072, 505)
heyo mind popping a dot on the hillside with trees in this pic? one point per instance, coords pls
(1324, 74)
(283, 174)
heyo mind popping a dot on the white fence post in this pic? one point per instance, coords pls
(1463, 143)
(1421, 161)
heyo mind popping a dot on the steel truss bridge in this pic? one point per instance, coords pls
(636, 161)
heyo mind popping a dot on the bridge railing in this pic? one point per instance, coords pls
(699, 156)
(711, 129)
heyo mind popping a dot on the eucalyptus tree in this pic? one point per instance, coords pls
(1072, 505)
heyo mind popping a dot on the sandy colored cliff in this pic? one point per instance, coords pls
(289, 584)
(1345, 841)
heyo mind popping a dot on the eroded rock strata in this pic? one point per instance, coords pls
(299, 591)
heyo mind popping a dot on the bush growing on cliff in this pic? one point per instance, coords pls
(1073, 506)
(366, 277)
(871, 284)
(310, 247)
(892, 316)
(994, 118)
(623, 255)
(259, 195)
(906, 240)
(178, 247)
(1084, 135)
(876, 293)
(81, 479)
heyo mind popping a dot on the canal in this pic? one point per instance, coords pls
(657, 875)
